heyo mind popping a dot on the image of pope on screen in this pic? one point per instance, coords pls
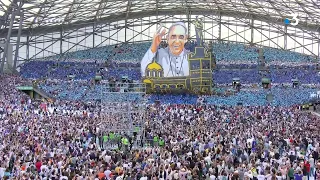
(172, 59)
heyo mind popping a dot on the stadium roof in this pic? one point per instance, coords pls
(40, 16)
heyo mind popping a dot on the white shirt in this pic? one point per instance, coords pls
(261, 177)
(107, 158)
(63, 178)
(172, 65)
(44, 169)
(119, 178)
(249, 142)
(107, 173)
(2, 170)
(312, 162)
(212, 177)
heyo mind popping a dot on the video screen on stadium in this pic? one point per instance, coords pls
(169, 66)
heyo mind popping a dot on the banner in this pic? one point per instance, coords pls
(173, 68)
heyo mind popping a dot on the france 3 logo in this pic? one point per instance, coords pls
(292, 21)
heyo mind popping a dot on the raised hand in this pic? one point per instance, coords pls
(157, 39)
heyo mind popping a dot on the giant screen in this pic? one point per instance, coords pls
(174, 68)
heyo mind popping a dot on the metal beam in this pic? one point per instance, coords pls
(139, 33)
(133, 15)
(93, 34)
(260, 42)
(188, 14)
(67, 17)
(285, 37)
(61, 37)
(252, 31)
(303, 46)
(5, 16)
(99, 11)
(28, 48)
(219, 21)
(37, 15)
(78, 43)
(248, 23)
(57, 39)
(7, 42)
(16, 54)
(236, 33)
(126, 20)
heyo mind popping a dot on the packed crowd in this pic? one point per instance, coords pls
(117, 61)
(82, 90)
(85, 134)
(224, 52)
(248, 96)
(305, 76)
(235, 52)
(79, 70)
(224, 73)
(72, 140)
(247, 76)
(273, 54)
(283, 95)
(276, 75)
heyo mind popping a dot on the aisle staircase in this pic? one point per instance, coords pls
(261, 61)
(264, 71)
(35, 93)
(140, 134)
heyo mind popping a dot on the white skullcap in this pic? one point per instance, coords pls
(179, 24)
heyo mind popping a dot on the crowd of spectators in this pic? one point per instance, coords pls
(248, 73)
(247, 76)
(173, 99)
(281, 96)
(123, 60)
(118, 61)
(276, 75)
(305, 76)
(278, 55)
(74, 140)
(79, 70)
(88, 91)
(230, 52)
(82, 135)
(224, 51)
(81, 90)
(236, 65)
(121, 52)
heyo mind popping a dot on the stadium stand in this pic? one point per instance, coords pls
(272, 54)
(85, 57)
(122, 60)
(235, 52)
(247, 76)
(64, 130)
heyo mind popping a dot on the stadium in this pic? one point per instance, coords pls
(159, 89)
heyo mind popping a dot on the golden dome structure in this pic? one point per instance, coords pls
(154, 69)
(154, 66)
(147, 81)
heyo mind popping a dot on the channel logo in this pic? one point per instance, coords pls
(292, 21)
